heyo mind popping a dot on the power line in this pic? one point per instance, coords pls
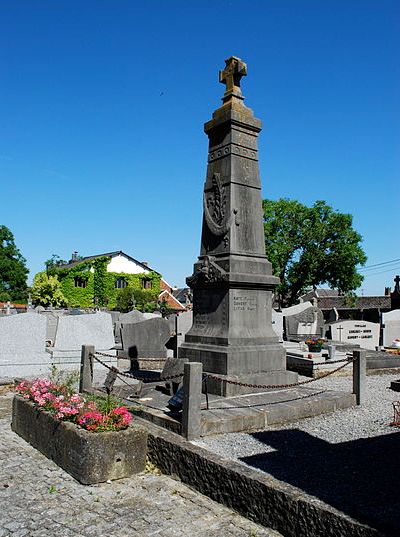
(381, 272)
(379, 264)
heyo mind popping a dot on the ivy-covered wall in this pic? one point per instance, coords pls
(100, 287)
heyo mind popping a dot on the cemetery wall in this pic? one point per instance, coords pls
(265, 500)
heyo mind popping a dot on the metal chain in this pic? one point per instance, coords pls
(282, 386)
(137, 359)
(130, 375)
(220, 379)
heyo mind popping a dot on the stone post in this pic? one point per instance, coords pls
(86, 374)
(331, 352)
(191, 411)
(360, 375)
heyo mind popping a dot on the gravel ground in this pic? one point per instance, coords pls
(366, 421)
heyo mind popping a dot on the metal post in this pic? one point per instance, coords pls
(191, 411)
(360, 375)
(86, 374)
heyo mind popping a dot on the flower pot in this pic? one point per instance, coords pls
(88, 456)
(314, 348)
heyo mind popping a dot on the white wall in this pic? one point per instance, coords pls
(120, 263)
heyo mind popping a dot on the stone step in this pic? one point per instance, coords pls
(249, 412)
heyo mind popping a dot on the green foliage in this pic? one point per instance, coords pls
(13, 272)
(54, 261)
(46, 291)
(310, 246)
(140, 299)
(100, 287)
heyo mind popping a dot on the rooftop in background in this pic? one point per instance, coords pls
(74, 262)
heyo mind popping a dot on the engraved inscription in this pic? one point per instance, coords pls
(244, 303)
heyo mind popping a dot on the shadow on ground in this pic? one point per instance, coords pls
(360, 478)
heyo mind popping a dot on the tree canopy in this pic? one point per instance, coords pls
(13, 271)
(46, 291)
(311, 246)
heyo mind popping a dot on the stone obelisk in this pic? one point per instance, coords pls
(232, 281)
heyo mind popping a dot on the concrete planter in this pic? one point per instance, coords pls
(89, 457)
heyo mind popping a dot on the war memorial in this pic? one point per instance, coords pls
(232, 281)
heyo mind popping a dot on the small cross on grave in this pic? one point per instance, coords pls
(340, 328)
(234, 70)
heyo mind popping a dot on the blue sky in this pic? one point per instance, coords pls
(102, 105)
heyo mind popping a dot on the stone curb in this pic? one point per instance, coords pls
(258, 497)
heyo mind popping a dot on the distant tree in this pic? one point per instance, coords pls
(13, 271)
(140, 299)
(54, 261)
(46, 291)
(310, 246)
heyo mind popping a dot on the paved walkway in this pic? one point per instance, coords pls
(38, 499)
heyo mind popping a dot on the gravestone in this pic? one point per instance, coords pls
(277, 324)
(362, 333)
(184, 324)
(303, 320)
(52, 317)
(232, 281)
(145, 339)
(151, 315)
(73, 331)
(391, 327)
(22, 346)
(133, 316)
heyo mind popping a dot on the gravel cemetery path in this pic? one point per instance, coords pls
(349, 458)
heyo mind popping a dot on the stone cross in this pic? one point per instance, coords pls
(234, 70)
(397, 286)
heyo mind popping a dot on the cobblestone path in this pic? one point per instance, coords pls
(38, 499)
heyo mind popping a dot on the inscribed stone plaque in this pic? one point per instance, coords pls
(362, 333)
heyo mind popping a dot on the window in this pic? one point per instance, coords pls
(120, 283)
(80, 282)
(147, 284)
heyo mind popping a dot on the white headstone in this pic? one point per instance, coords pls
(184, 324)
(22, 346)
(277, 324)
(362, 333)
(73, 331)
(391, 327)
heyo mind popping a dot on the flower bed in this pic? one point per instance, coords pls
(88, 439)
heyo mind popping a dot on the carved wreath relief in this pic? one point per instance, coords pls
(215, 210)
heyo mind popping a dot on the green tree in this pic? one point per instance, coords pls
(310, 246)
(54, 261)
(140, 299)
(13, 271)
(46, 291)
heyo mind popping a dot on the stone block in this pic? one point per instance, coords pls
(89, 457)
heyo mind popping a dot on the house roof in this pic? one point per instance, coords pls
(359, 302)
(171, 300)
(181, 294)
(109, 254)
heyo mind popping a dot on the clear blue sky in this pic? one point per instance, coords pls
(102, 105)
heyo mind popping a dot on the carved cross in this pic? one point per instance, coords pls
(231, 75)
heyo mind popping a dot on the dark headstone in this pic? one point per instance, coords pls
(232, 282)
(172, 367)
(145, 339)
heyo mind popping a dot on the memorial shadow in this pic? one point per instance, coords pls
(361, 478)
